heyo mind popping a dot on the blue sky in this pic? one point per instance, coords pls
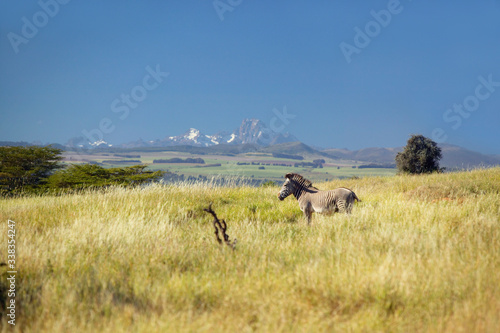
(354, 74)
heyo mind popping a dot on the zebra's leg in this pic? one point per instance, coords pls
(348, 208)
(350, 203)
(341, 206)
(308, 214)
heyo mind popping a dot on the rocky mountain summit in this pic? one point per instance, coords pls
(251, 131)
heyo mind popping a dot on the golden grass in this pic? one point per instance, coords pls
(419, 253)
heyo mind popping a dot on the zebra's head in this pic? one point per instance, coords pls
(286, 189)
(294, 184)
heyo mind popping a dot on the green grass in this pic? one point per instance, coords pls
(229, 167)
(270, 172)
(418, 254)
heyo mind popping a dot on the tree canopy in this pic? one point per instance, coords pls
(420, 155)
(27, 168)
(35, 169)
(80, 176)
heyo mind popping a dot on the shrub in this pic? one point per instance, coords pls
(268, 183)
(421, 155)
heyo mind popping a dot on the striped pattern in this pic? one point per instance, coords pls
(312, 199)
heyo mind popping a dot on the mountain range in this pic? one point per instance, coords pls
(251, 131)
(254, 136)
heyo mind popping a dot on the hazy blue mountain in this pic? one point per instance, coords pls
(255, 135)
(251, 131)
(453, 156)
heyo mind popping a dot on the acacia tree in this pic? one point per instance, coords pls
(83, 176)
(421, 155)
(26, 168)
(35, 169)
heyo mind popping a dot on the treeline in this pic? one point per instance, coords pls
(122, 161)
(314, 164)
(288, 156)
(247, 163)
(127, 156)
(374, 166)
(208, 165)
(268, 164)
(307, 165)
(180, 160)
(38, 170)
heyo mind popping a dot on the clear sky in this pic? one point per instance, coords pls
(354, 74)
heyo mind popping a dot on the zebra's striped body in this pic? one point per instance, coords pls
(312, 199)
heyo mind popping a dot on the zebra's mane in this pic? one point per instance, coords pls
(299, 179)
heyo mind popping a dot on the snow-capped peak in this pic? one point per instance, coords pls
(100, 143)
(231, 139)
(193, 134)
(251, 131)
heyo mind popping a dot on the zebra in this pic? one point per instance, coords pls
(311, 199)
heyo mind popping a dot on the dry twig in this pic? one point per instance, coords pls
(220, 226)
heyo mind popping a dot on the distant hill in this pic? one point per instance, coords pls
(14, 144)
(293, 148)
(254, 136)
(371, 155)
(25, 144)
(461, 158)
(454, 157)
(222, 149)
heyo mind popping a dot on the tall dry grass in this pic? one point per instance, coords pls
(418, 254)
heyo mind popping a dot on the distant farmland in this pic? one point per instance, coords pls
(261, 166)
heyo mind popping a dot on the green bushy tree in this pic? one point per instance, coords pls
(80, 176)
(35, 169)
(27, 168)
(420, 155)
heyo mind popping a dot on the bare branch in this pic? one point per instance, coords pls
(220, 226)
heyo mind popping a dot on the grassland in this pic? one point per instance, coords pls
(418, 254)
(333, 169)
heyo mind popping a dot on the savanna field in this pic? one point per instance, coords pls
(418, 254)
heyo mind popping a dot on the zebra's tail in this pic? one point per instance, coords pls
(355, 197)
